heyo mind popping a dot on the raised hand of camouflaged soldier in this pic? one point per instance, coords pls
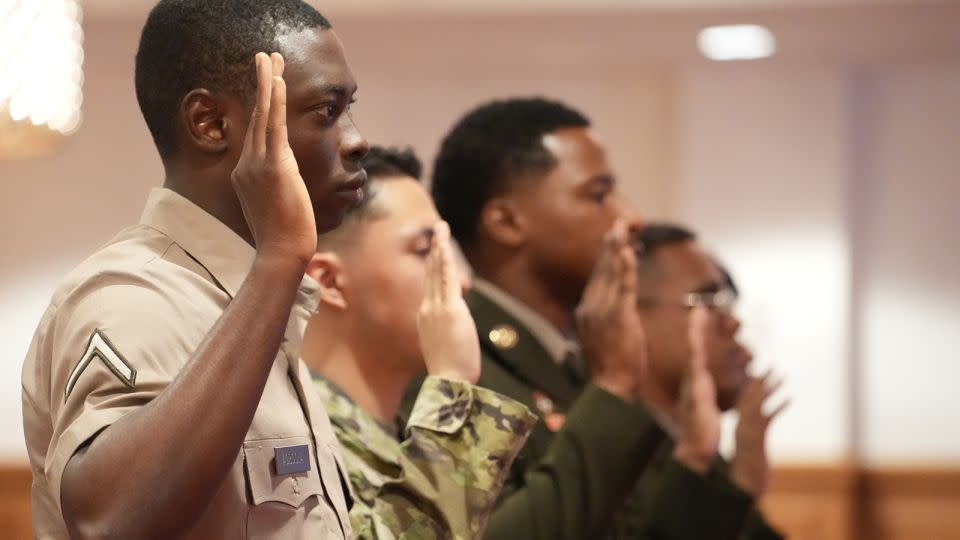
(448, 335)
(750, 469)
(267, 179)
(608, 326)
(698, 414)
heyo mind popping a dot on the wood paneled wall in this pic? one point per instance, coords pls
(823, 502)
(840, 502)
(15, 520)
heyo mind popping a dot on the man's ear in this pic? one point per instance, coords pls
(326, 268)
(502, 223)
(204, 117)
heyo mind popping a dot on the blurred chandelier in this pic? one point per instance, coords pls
(41, 60)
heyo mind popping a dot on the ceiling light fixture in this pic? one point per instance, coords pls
(736, 42)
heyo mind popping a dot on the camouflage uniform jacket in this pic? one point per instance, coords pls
(461, 441)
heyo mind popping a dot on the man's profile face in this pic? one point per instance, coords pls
(325, 141)
(568, 211)
(684, 268)
(386, 270)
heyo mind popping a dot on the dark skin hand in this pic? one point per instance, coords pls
(176, 474)
(608, 326)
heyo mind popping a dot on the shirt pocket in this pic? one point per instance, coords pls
(279, 502)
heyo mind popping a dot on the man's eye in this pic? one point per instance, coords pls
(328, 113)
(332, 111)
(600, 197)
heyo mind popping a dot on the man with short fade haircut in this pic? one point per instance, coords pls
(163, 395)
(391, 306)
(675, 275)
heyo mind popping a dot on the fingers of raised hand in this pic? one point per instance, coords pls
(777, 410)
(256, 131)
(757, 395)
(450, 284)
(698, 321)
(703, 387)
(628, 275)
(276, 131)
(278, 64)
(434, 270)
(771, 384)
(606, 266)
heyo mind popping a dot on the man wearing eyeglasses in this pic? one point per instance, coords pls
(675, 274)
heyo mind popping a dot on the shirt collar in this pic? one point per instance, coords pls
(377, 438)
(224, 254)
(557, 345)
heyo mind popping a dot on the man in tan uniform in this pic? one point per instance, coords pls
(163, 395)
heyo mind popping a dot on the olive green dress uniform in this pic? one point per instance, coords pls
(672, 501)
(590, 469)
(460, 442)
(117, 333)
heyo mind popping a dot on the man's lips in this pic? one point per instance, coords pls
(356, 182)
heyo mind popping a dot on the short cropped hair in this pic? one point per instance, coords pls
(189, 44)
(728, 281)
(655, 236)
(381, 163)
(493, 145)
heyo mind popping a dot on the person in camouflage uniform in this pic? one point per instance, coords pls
(392, 305)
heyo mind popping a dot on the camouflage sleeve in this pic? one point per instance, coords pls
(461, 440)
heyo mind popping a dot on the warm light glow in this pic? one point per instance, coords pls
(41, 59)
(736, 42)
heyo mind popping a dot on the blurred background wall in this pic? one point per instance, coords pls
(827, 177)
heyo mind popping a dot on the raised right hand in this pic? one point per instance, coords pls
(608, 325)
(698, 415)
(267, 180)
(448, 335)
(750, 466)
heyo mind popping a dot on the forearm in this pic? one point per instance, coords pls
(591, 467)
(169, 457)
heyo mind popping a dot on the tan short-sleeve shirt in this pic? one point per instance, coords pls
(118, 331)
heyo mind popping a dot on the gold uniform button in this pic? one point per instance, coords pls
(503, 336)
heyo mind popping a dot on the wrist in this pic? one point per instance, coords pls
(281, 258)
(450, 375)
(453, 373)
(279, 262)
(694, 460)
(744, 481)
(624, 387)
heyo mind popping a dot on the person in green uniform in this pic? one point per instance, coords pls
(675, 274)
(391, 306)
(530, 197)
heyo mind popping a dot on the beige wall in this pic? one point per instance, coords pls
(762, 175)
(781, 164)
